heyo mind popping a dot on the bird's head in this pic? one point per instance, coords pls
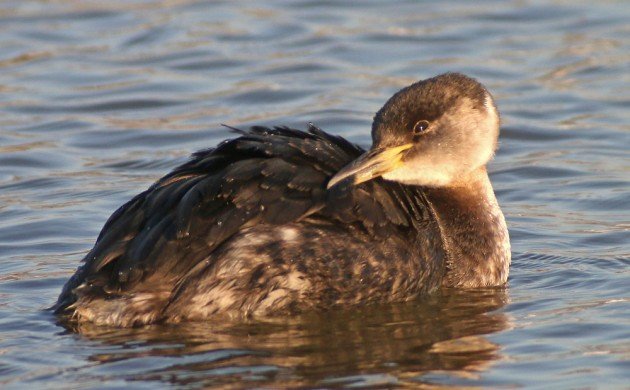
(432, 133)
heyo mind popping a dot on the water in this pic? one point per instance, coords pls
(99, 99)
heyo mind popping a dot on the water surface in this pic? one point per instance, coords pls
(99, 99)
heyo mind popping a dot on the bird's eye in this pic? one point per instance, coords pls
(420, 127)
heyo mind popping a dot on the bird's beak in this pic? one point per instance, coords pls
(374, 163)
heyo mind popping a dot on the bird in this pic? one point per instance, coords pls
(279, 221)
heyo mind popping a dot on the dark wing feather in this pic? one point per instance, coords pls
(267, 175)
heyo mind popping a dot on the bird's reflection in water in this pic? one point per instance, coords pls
(387, 344)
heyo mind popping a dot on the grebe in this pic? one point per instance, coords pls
(280, 220)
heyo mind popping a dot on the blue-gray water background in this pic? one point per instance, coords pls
(98, 99)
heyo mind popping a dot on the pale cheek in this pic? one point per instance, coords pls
(429, 177)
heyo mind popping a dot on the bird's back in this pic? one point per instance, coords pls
(249, 228)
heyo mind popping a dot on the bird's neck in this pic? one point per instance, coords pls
(473, 231)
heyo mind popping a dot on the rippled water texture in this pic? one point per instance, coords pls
(98, 99)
